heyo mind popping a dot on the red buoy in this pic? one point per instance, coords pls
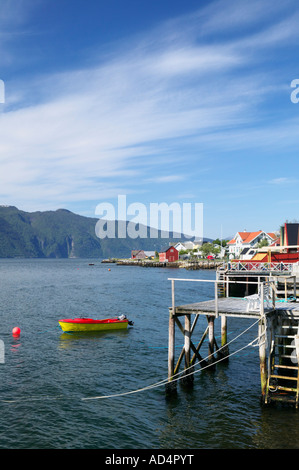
(16, 331)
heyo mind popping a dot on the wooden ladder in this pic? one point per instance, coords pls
(221, 286)
(283, 370)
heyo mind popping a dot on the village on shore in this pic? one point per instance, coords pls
(258, 246)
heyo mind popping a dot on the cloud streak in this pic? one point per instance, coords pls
(88, 134)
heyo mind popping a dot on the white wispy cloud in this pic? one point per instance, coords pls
(167, 179)
(283, 180)
(87, 134)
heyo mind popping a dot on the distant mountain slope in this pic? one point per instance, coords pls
(59, 234)
(63, 234)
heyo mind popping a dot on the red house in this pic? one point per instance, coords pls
(170, 254)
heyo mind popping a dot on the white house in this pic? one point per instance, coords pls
(243, 244)
(188, 245)
(222, 252)
(179, 246)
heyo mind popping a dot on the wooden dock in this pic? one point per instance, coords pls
(276, 319)
(187, 264)
(234, 307)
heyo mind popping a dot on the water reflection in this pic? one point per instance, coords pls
(273, 430)
(16, 344)
(221, 411)
(68, 339)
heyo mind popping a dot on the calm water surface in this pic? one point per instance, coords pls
(47, 373)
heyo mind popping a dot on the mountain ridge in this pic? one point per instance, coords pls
(64, 234)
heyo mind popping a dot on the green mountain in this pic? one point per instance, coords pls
(63, 234)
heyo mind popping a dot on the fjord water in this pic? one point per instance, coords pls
(46, 372)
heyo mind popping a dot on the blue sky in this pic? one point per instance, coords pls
(161, 101)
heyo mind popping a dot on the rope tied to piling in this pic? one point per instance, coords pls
(161, 383)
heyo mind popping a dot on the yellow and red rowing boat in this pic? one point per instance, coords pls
(89, 324)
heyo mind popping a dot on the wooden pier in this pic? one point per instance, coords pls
(278, 336)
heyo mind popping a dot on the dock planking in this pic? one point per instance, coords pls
(234, 307)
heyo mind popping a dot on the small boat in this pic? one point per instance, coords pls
(89, 324)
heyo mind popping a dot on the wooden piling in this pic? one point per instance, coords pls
(171, 340)
(262, 344)
(171, 387)
(171, 335)
(216, 300)
(211, 339)
(263, 359)
(224, 351)
(223, 330)
(187, 340)
(187, 378)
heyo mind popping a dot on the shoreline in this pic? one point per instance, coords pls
(190, 265)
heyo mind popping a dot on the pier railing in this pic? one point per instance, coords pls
(266, 292)
(257, 266)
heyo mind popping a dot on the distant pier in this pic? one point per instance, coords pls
(146, 263)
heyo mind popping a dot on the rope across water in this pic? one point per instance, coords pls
(161, 383)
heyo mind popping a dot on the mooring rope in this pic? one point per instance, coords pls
(179, 375)
(165, 381)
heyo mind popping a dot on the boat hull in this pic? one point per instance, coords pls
(88, 324)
